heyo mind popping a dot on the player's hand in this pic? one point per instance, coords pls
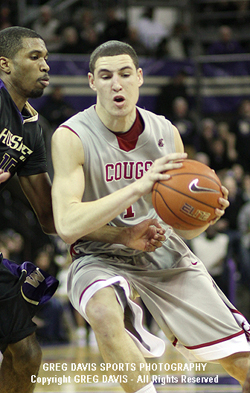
(146, 236)
(158, 171)
(224, 204)
(4, 176)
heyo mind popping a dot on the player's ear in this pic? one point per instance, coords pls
(140, 76)
(91, 81)
(5, 65)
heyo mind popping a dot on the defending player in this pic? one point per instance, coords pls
(106, 160)
(24, 74)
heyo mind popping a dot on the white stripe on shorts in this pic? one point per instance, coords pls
(155, 347)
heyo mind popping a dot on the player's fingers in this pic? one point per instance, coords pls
(156, 233)
(159, 228)
(157, 240)
(224, 203)
(225, 192)
(153, 245)
(219, 212)
(169, 161)
(4, 176)
(160, 237)
(158, 244)
(172, 157)
(150, 247)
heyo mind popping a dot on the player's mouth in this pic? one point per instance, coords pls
(44, 81)
(119, 101)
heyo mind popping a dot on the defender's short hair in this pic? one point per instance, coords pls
(11, 40)
(112, 48)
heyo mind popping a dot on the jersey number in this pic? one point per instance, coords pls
(129, 213)
(7, 162)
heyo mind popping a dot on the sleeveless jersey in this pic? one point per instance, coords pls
(22, 148)
(108, 168)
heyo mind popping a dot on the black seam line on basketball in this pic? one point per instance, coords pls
(179, 218)
(182, 193)
(196, 174)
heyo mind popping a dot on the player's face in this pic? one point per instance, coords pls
(29, 69)
(116, 81)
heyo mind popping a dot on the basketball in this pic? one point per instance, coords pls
(189, 198)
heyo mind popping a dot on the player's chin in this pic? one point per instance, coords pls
(36, 93)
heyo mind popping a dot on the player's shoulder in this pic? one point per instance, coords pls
(147, 114)
(158, 123)
(80, 118)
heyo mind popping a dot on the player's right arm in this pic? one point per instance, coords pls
(74, 218)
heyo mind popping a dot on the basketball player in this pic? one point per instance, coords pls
(106, 160)
(24, 74)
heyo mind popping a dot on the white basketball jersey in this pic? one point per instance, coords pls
(108, 168)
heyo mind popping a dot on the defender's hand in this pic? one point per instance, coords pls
(145, 236)
(4, 176)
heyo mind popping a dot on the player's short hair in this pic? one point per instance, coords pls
(11, 40)
(112, 48)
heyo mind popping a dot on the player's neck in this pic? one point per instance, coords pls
(17, 98)
(117, 123)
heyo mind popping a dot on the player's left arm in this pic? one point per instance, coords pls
(190, 234)
(37, 189)
(179, 147)
(145, 236)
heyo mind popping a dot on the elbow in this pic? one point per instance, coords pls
(66, 235)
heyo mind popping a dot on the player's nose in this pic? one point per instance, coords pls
(116, 85)
(44, 66)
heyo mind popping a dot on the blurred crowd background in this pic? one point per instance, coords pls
(196, 60)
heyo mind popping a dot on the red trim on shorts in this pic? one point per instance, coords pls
(87, 288)
(234, 311)
(71, 250)
(216, 341)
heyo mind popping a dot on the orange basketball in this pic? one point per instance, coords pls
(189, 198)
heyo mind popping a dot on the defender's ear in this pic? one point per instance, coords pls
(5, 65)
